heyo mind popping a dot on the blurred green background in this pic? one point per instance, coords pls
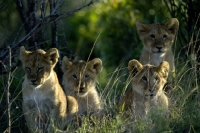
(114, 22)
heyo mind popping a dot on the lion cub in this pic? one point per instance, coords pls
(157, 42)
(147, 89)
(43, 98)
(79, 81)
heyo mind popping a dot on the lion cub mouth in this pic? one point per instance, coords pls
(81, 93)
(159, 53)
(150, 96)
(36, 86)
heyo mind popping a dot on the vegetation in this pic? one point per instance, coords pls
(109, 26)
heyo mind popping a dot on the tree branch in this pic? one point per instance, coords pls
(40, 24)
(8, 91)
(21, 11)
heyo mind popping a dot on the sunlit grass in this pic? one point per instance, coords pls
(184, 108)
(184, 104)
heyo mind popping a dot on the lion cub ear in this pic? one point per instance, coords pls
(95, 64)
(66, 63)
(172, 25)
(142, 29)
(163, 69)
(134, 67)
(52, 55)
(23, 53)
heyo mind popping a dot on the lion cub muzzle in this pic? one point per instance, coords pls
(159, 47)
(81, 88)
(33, 79)
(150, 92)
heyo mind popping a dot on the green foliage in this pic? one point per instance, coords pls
(15, 96)
(9, 23)
(187, 44)
(115, 22)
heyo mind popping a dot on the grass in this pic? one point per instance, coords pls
(184, 111)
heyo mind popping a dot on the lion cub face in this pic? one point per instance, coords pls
(38, 65)
(79, 77)
(158, 38)
(148, 80)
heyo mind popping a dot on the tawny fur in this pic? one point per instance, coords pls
(43, 98)
(157, 42)
(79, 81)
(147, 92)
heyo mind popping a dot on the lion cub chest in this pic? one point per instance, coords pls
(142, 107)
(37, 99)
(36, 95)
(90, 103)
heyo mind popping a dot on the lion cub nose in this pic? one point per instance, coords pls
(82, 87)
(33, 80)
(159, 48)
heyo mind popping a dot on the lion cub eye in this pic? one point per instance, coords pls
(40, 69)
(87, 76)
(74, 76)
(164, 36)
(28, 69)
(152, 36)
(144, 78)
